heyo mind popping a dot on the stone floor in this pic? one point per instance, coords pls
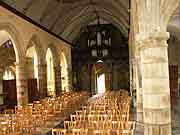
(58, 121)
(175, 114)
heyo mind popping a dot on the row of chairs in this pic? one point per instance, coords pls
(106, 115)
(26, 119)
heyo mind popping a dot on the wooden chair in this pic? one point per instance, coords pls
(9, 111)
(128, 125)
(73, 118)
(116, 132)
(70, 125)
(4, 129)
(16, 128)
(127, 132)
(101, 132)
(116, 125)
(19, 109)
(59, 131)
(79, 131)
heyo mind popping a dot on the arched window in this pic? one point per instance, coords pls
(64, 73)
(50, 72)
(8, 74)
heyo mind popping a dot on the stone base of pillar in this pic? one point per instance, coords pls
(154, 129)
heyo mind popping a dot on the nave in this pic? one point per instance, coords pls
(50, 52)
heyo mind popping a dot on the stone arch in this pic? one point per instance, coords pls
(21, 81)
(15, 37)
(167, 14)
(64, 60)
(56, 57)
(35, 41)
(41, 53)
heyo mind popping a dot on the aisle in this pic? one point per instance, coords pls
(58, 121)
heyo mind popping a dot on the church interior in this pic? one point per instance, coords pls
(89, 67)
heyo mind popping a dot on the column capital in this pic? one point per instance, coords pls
(159, 35)
(20, 63)
(155, 39)
(135, 60)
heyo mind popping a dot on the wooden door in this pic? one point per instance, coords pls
(9, 88)
(173, 81)
(33, 93)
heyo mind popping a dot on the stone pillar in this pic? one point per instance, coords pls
(57, 71)
(1, 85)
(69, 79)
(42, 80)
(155, 84)
(21, 84)
(138, 87)
(131, 75)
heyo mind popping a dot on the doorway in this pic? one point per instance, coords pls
(101, 87)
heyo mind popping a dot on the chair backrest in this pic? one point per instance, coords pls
(69, 124)
(59, 131)
(128, 125)
(115, 125)
(79, 131)
(101, 132)
(9, 111)
(73, 118)
(127, 132)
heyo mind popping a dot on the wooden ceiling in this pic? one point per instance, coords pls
(66, 17)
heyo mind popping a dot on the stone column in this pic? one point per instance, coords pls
(42, 80)
(131, 75)
(1, 85)
(138, 87)
(69, 79)
(57, 71)
(155, 84)
(21, 84)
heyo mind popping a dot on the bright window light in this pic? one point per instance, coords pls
(101, 84)
(35, 66)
